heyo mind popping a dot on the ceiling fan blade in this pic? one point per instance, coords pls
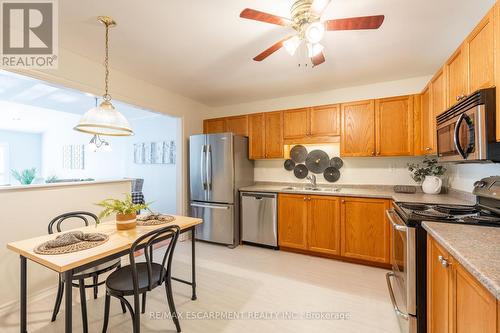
(319, 6)
(318, 59)
(355, 23)
(271, 50)
(256, 15)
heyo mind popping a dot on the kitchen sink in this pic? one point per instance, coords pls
(315, 189)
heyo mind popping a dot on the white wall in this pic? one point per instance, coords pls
(24, 151)
(463, 176)
(159, 179)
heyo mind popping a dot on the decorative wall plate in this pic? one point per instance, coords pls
(336, 162)
(298, 154)
(331, 174)
(317, 161)
(289, 165)
(300, 171)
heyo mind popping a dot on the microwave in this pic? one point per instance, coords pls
(466, 133)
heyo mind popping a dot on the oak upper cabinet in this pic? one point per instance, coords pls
(292, 221)
(237, 125)
(438, 288)
(427, 125)
(456, 301)
(480, 47)
(273, 122)
(217, 125)
(394, 126)
(438, 93)
(256, 145)
(365, 229)
(358, 129)
(325, 120)
(295, 123)
(456, 76)
(475, 308)
(323, 232)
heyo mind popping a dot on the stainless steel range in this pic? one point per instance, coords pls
(407, 282)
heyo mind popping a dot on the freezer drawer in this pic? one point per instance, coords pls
(218, 222)
(259, 218)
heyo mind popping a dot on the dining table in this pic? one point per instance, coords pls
(69, 264)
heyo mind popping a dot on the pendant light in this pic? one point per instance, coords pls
(97, 143)
(105, 119)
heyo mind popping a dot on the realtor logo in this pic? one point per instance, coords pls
(29, 33)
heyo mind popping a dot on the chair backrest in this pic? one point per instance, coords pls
(137, 184)
(147, 241)
(84, 216)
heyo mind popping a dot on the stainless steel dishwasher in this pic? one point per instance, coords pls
(259, 222)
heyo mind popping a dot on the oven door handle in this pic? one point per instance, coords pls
(400, 313)
(395, 225)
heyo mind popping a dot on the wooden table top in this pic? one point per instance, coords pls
(119, 240)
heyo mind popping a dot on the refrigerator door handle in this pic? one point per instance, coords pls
(209, 206)
(209, 167)
(202, 167)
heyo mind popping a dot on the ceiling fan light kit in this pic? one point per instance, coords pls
(306, 21)
(104, 119)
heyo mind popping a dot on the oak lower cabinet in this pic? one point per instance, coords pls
(456, 301)
(351, 228)
(365, 231)
(292, 221)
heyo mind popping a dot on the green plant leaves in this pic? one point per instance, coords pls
(26, 176)
(429, 167)
(114, 206)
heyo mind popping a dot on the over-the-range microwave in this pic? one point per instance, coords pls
(467, 131)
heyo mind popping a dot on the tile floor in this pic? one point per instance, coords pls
(271, 291)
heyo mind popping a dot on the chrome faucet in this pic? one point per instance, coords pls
(312, 179)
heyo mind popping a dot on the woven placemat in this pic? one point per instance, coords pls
(81, 242)
(154, 219)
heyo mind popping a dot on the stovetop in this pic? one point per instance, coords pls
(414, 213)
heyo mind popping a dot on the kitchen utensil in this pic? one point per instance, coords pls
(331, 174)
(317, 161)
(300, 171)
(298, 154)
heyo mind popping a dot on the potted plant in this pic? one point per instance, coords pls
(427, 174)
(25, 177)
(125, 210)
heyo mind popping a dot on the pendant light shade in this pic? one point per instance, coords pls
(104, 119)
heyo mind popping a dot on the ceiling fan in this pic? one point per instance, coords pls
(306, 21)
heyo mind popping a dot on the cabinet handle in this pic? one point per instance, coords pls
(373, 153)
(342, 201)
(378, 153)
(305, 198)
(428, 148)
(445, 263)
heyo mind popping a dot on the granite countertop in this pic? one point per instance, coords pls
(369, 191)
(475, 248)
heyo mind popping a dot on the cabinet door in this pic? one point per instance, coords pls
(295, 123)
(237, 125)
(256, 149)
(474, 307)
(438, 93)
(324, 224)
(292, 221)
(394, 126)
(273, 134)
(365, 229)
(427, 125)
(480, 46)
(325, 120)
(211, 126)
(438, 288)
(456, 73)
(358, 129)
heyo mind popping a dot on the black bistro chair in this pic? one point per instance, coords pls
(93, 272)
(139, 278)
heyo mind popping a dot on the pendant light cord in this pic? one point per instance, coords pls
(106, 96)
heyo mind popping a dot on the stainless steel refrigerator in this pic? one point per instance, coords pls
(218, 166)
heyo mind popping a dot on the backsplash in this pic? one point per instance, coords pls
(359, 170)
(463, 176)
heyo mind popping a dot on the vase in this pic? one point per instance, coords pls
(432, 185)
(126, 221)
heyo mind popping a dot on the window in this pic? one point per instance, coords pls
(4, 163)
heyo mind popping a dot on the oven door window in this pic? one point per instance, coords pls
(465, 137)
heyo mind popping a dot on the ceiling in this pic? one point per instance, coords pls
(202, 49)
(30, 105)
